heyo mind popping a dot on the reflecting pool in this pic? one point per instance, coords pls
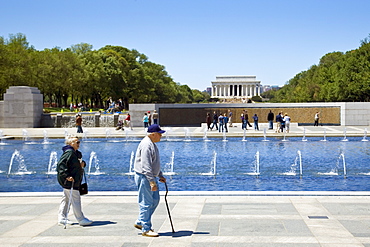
(197, 164)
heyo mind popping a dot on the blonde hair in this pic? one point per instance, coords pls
(70, 138)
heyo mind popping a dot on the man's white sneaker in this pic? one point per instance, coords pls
(85, 222)
(150, 233)
(65, 222)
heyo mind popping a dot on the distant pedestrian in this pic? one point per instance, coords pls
(221, 123)
(287, 122)
(127, 121)
(79, 123)
(255, 118)
(270, 119)
(155, 117)
(244, 123)
(149, 119)
(146, 120)
(279, 119)
(214, 121)
(317, 117)
(226, 120)
(246, 119)
(230, 118)
(208, 121)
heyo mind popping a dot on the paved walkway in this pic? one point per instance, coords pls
(236, 131)
(205, 219)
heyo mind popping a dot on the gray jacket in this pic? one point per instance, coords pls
(147, 159)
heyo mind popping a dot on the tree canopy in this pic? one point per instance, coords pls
(81, 74)
(338, 77)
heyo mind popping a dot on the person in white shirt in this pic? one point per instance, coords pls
(287, 122)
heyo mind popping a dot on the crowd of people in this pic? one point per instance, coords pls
(113, 106)
(221, 121)
(149, 119)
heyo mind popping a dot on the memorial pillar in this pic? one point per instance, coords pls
(97, 119)
(23, 107)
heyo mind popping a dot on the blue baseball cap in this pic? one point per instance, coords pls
(155, 128)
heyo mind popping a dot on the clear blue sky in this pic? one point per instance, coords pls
(197, 40)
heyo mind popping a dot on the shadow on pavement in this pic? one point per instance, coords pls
(101, 223)
(178, 234)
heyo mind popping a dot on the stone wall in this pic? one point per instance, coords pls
(335, 113)
(21, 108)
(356, 113)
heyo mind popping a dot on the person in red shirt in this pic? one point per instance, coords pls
(128, 121)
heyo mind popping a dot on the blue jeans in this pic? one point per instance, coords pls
(214, 123)
(79, 129)
(148, 201)
(256, 125)
(244, 124)
(271, 124)
(221, 127)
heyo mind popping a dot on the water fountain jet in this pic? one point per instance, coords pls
(22, 168)
(168, 170)
(46, 138)
(224, 136)
(264, 135)
(365, 134)
(205, 138)
(94, 161)
(304, 139)
(244, 135)
(345, 135)
(25, 135)
(324, 140)
(256, 165)
(213, 166)
(53, 161)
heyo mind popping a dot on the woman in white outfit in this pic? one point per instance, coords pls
(287, 122)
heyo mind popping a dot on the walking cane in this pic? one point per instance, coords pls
(168, 209)
(69, 206)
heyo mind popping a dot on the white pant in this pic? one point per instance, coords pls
(76, 205)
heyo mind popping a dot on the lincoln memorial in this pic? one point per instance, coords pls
(226, 87)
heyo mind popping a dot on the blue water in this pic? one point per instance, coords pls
(322, 170)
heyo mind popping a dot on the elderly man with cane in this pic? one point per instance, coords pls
(147, 171)
(70, 171)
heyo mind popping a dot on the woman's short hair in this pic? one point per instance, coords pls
(70, 139)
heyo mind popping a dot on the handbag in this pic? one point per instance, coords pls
(83, 187)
